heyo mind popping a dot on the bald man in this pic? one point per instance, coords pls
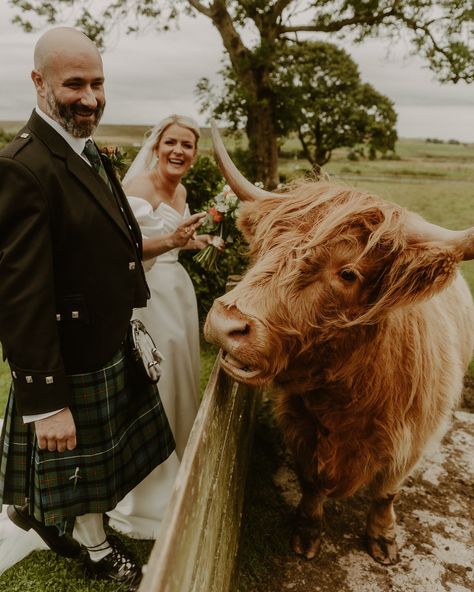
(82, 427)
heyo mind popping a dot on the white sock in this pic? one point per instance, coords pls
(89, 531)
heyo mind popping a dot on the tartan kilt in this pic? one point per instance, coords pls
(122, 435)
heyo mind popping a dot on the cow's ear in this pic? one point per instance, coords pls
(415, 273)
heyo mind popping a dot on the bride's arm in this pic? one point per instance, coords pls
(140, 193)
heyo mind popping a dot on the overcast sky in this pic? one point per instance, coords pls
(152, 75)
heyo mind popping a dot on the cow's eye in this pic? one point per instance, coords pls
(348, 275)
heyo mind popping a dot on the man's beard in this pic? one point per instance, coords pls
(64, 115)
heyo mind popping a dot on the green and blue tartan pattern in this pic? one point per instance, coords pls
(122, 435)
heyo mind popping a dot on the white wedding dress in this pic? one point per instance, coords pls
(171, 318)
(15, 543)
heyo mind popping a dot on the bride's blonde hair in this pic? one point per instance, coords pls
(163, 125)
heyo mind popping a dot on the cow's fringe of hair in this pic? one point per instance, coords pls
(355, 213)
(381, 220)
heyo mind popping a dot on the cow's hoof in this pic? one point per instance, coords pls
(304, 547)
(306, 540)
(383, 550)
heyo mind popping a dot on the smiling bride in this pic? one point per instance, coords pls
(158, 200)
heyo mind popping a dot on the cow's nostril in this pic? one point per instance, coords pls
(244, 330)
(227, 326)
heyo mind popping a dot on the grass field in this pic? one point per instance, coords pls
(436, 180)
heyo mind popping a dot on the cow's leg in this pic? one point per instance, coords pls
(307, 529)
(301, 435)
(381, 522)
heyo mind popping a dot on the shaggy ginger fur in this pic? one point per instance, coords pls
(365, 334)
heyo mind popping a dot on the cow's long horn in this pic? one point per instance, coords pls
(238, 183)
(419, 230)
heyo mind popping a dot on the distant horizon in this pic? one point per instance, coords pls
(18, 122)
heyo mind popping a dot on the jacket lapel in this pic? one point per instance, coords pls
(131, 221)
(96, 187)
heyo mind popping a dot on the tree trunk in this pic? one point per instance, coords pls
(253, 75)
(263, 145)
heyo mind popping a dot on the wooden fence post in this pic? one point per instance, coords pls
(197, 547)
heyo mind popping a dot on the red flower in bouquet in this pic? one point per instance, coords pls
(216, 216)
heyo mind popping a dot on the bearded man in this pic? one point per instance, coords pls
(82, 428)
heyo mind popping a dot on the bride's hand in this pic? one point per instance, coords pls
(203, 240)
(186, 231)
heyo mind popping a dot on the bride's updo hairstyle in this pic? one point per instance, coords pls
(146, 158)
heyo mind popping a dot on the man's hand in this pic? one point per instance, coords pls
(57, 432)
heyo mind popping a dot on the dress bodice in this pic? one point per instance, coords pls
(156, 222)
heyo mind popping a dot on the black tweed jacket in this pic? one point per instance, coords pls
(70, 266)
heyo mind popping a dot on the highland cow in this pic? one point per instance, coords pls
(355, 310)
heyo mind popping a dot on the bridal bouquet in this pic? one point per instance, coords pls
(220, 221)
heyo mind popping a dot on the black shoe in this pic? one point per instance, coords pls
(119, 566)
(62, 544)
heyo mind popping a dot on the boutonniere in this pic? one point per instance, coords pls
(117, 159)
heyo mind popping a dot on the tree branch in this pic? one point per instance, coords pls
(306, 150)
(436, 47)
(217, 12)
(337, 25)
(280, 6)
(205, 10)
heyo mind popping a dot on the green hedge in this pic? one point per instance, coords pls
(203, 182)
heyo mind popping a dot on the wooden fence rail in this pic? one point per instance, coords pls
(197, 547)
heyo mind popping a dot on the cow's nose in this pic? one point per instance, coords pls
(234, 326)
(225, 325)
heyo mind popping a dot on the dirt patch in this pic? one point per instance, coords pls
(435, 530)
(468, 394)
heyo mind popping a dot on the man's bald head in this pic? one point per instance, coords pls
(56, 42)
(69, 80)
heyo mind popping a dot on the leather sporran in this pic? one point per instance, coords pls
(145, 354)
